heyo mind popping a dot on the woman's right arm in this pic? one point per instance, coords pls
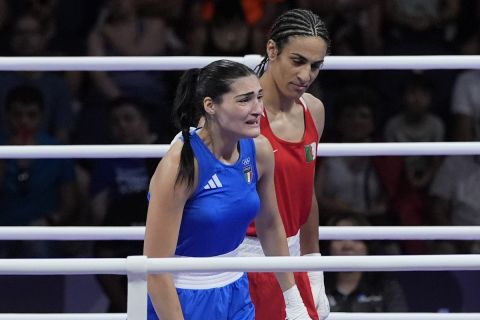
(165, 210)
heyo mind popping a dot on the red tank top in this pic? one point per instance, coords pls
(294, 173)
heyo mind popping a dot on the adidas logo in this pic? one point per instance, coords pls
(213, 183)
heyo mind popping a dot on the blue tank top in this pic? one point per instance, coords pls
(216, 217)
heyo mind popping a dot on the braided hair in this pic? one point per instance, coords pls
(295, 22)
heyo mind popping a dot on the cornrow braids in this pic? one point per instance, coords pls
(295, 22)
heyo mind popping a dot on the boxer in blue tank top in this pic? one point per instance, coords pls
(215, 220)
(206, 191)
(217, 215)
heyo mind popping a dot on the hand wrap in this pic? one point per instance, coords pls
(295, 308)
(318, 291)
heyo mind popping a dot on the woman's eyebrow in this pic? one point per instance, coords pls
(244, 95)
(247, 94)
(301, 57)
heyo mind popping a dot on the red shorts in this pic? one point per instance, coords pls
(268, 299)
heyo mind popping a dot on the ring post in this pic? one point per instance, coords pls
(137, 287)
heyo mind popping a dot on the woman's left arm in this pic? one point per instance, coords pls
(309, 236)
(270, 230)
(309, 231)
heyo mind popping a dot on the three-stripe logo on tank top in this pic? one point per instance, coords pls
(213, 183)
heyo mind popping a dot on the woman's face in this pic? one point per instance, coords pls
(27, 37)
(347, 247)
(239, 110)
(417, 100)
(297, 65)
(128, 125)
(120, 9)
(24, 119)
(356, 124)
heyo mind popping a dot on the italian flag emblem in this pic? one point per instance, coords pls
(310, 152)
(248, 174)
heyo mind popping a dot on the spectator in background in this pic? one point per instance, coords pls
(454, 193)
(455, 200)
(360, 291)
(65, 26)
(355, 25)
(120, 31)
(29, 38)
(420, 27)
(233, 28)
(34, 192)
(225, 33)
(465, 105)
(354, 183)
(117, 177)
(5, 16)
(415, 123)
(172, 12)
(66, 22)
(4, 13)
(119, 191)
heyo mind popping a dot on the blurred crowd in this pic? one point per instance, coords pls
(133, 107)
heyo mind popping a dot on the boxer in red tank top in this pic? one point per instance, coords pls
(293, 122)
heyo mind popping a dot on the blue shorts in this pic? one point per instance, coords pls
(230, 302)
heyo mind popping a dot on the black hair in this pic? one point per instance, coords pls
(24, 94)
(355, 96)
(418, 81)
(126, 100)
(295, 22)
(213, 80)
(357, 219)
(374, 247)
(226, 11)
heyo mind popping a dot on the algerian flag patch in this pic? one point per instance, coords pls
(310, 151)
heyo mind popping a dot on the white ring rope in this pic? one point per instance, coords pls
(157, 151)
(136, 269)
(332, 316)
(85, 266)
(186, 62)
(326, 233)
(402, 316)
(65, 316)
(139, 293)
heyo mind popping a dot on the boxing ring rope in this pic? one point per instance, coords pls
(137, 267)
(156, 151)
(333, 316)
(144, 265)
(326, 233)
(177, 63)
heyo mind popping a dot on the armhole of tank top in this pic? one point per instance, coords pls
(308, 114)
(254, 156)
(303, 103)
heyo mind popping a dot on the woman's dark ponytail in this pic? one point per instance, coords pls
(184, 115)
